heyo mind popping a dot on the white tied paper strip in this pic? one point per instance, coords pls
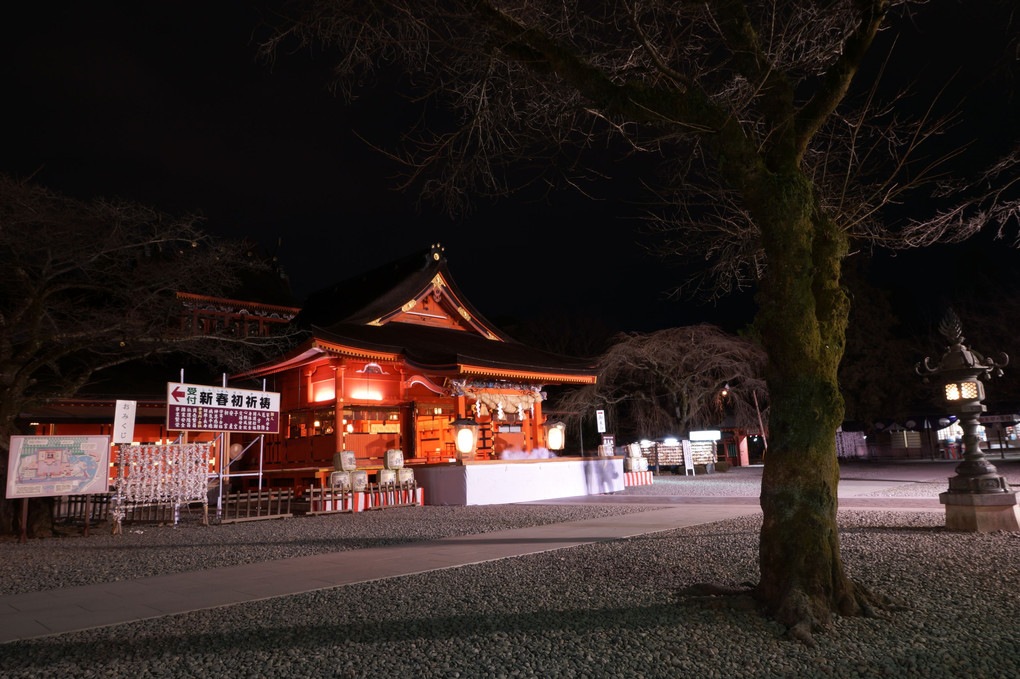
(173, 474)
(510, 403)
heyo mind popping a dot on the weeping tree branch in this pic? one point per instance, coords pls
(671, 381)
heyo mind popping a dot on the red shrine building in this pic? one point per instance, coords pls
(391, 360)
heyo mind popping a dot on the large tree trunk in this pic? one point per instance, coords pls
(40, 510)
(802, 319)
(8, 511)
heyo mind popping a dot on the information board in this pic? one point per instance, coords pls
(194, 407)
(688, 457)
(44, 466)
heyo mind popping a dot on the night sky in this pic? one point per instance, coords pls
(167, 104)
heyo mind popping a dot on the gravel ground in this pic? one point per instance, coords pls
(746, 481)
(143, 549)
(602, 610)
(609, 609)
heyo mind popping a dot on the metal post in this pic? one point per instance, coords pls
(262, 447)
(219, 494)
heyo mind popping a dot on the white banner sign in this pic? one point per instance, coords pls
(688, 456)
(124, 422)
(992, 419)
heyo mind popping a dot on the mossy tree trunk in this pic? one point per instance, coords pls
(802, 319)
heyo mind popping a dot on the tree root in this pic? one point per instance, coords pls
(715, 595)
(802, 615)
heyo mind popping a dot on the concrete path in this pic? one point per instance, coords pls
(24, 616)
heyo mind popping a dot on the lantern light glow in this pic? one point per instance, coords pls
(556, 436)
(465, 440)
(323, 391)
(956, 391)
(465, 433)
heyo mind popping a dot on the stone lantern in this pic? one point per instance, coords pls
(978, 499)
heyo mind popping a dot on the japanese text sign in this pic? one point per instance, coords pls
(193, 407)
(124, 421)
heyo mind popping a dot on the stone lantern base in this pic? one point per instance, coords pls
(981, 512)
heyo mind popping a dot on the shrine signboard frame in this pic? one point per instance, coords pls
(195, 407)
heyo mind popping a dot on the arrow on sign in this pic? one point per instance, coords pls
(178, 394)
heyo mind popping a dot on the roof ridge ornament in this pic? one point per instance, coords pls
(958, 358)
(436, 252)
(951, 328)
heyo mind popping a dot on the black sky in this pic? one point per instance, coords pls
(166, 103)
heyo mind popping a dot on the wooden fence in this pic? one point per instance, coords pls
(253, 505)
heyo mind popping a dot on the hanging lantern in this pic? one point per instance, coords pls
(555, 434)
(465, 432)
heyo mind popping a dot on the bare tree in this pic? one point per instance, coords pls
(756, 153)
(671, 381)
(90, 286)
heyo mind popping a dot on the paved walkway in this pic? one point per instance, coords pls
(24, 616)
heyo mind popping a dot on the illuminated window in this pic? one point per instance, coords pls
(318, 422)
(372, 420)
(963, 390)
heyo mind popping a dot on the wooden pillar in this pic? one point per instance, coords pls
(408, 430)
(537, 430)
(742, 451)
(339, 369)
(307, 374)
(23, 538)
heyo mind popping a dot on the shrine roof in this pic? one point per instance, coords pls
(367, 297)
(385, 314)
(441, 349)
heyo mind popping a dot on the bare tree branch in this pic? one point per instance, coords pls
(755, 162)
(668, 382)
(93, 285)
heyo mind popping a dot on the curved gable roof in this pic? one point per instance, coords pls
(375, 296)
(368, 316)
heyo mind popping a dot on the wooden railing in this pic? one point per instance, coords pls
(253, 505)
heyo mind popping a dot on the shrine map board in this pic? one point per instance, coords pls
(44, 466)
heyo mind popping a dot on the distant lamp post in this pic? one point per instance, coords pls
(465, 432)
(555, 434)
(979, 499)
